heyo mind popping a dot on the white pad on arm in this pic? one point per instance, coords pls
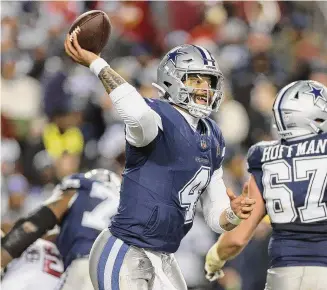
(142, 123)
(214, 201)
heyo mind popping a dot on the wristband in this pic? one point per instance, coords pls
(27, 230)
(232, 217)
(97, 65)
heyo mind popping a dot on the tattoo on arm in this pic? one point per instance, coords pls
(228, 227)
(110, 79)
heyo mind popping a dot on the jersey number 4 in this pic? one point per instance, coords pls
(279, 198)
(190, 193)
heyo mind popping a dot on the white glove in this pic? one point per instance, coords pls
(214, 264)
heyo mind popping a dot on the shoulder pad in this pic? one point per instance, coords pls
(214, 127)
(254, 155)
(217, 133)
(266, 143)
(152, 103)
(158, 105)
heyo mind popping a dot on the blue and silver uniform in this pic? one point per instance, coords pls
(292, 177)
(164, 180)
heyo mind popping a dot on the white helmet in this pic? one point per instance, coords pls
(300, 110)
(105, 176)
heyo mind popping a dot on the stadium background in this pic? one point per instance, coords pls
(56, 118)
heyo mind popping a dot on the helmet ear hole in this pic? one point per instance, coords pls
(167, 84)
(319, 120)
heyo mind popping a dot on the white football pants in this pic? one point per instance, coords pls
(115, 265)
(297, 278)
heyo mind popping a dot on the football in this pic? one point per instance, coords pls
(93, 29)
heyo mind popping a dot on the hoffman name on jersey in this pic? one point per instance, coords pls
(305, 148)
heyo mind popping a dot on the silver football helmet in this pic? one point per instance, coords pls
(175, 68)
(300, 110)
(107, 177)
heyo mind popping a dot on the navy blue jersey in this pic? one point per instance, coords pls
(292, 177)
(163, 181)
(90, 211)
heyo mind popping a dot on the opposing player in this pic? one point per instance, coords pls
(173, 158)
(82, 205)
(39, 267)
(288, 180)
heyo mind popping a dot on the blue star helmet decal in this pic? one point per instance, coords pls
(174, 54)
(315, 92)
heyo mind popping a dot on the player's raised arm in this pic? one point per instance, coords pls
(27, 230)
(142, 123)
(231, 243)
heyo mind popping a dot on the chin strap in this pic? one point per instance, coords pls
(316, 128)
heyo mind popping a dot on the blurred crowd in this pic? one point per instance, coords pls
(56, 118)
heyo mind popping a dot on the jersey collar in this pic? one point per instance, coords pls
(193, 121)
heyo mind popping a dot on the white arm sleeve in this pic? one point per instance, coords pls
(214, 201)
(142, 123)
